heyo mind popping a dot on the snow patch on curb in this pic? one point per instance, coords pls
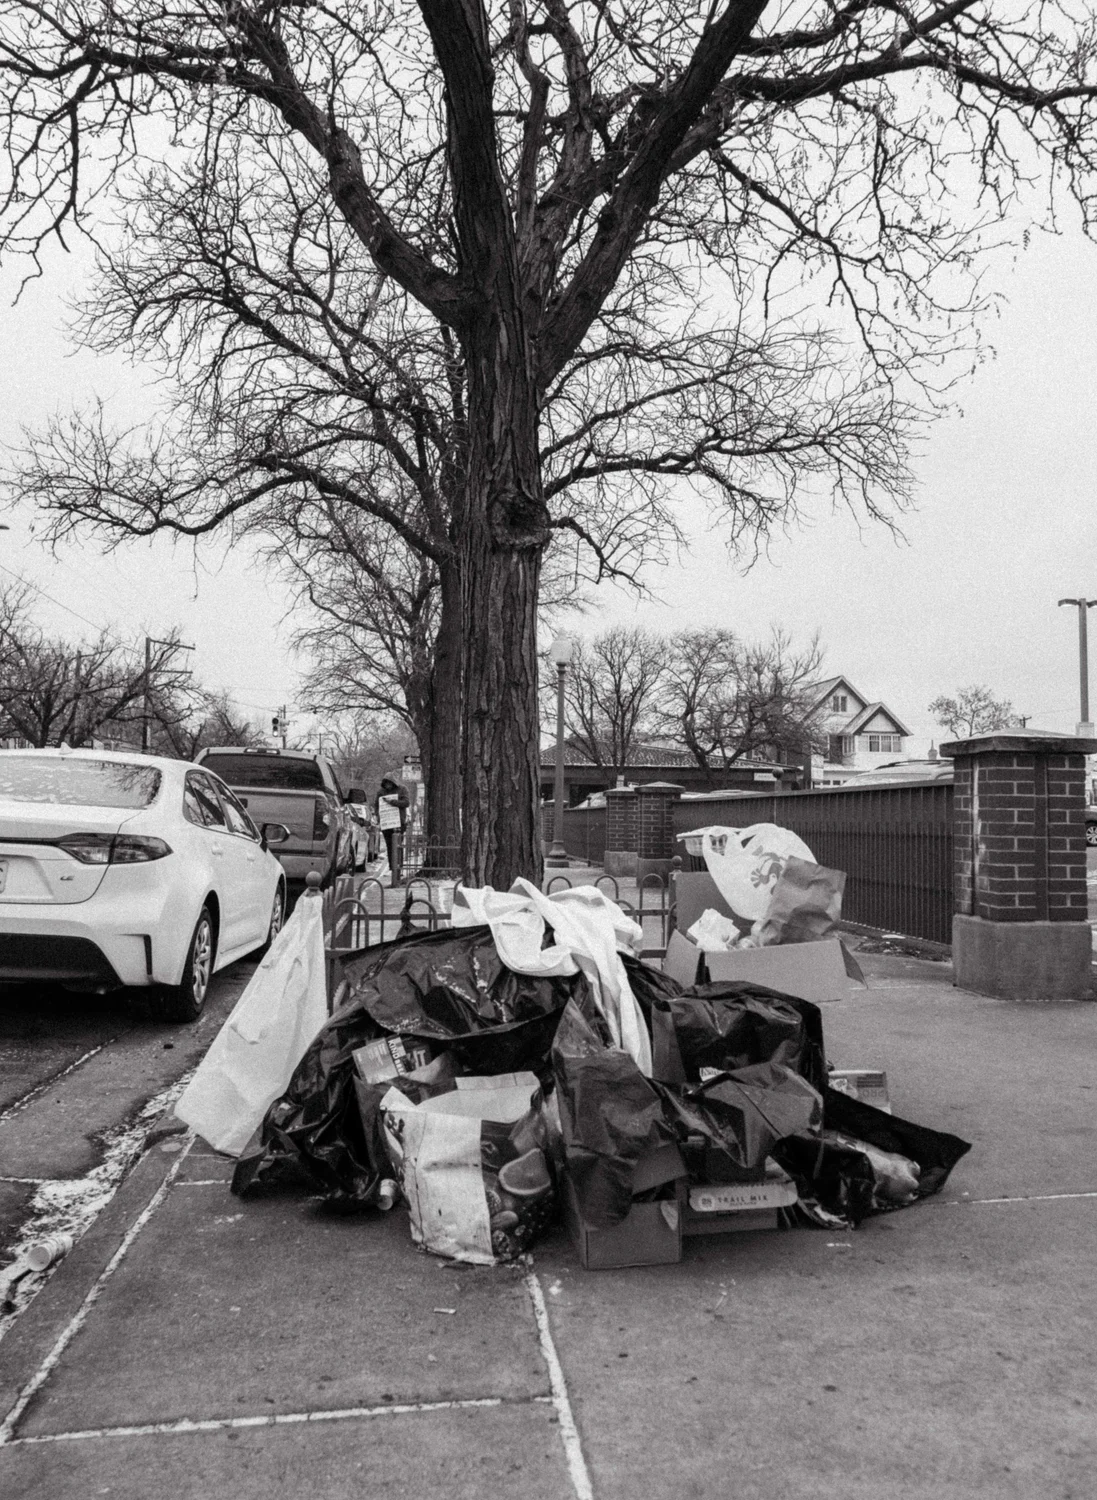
(71, 1205)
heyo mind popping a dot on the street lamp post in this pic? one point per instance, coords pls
(1083, 607)
(560, 654)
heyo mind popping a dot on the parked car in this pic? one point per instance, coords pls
(121, 869)
(365, 833)
(301, 790)
(901, 772)
(897, 772)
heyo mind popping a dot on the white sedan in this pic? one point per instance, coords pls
(120, 869)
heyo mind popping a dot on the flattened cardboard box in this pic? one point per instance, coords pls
(810, 971)
(651, 1234)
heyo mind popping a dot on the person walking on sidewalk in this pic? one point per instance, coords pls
(391, 805)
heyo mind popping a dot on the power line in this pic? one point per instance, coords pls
(30, 583)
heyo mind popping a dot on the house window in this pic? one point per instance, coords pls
(891, 743)
(840, 703)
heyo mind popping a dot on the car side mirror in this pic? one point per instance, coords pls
(355, 794)
(274, 833)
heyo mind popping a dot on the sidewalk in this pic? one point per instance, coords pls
(201, 1347)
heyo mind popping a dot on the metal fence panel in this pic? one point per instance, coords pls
(585, 833)
(894, 843)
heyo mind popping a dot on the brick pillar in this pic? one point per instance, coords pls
(1020, 929)
(620, 855)
(655, 848)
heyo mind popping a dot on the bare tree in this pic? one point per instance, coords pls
(190, 720)
(346, 442)
(974, 710)
(515, 169)
(610, 692)
(54, 692)
(726, 700)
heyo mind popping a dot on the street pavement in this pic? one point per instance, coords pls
(201, 1346)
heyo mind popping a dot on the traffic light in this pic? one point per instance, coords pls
(275, 724)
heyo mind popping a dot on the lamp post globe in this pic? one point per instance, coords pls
(561, 654)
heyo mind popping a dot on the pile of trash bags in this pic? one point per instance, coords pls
(474, 1086)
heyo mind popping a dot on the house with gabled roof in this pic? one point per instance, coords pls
(859, 733)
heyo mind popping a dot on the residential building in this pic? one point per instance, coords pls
(860, 734)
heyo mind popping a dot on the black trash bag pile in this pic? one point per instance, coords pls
(760, 1054)
(769, 1098)
(448, 990)
(739, 1076)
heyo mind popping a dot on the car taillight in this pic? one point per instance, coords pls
(321, 820)
(113, 849)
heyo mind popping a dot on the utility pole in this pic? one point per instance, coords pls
(151, 641)
(1083, 606)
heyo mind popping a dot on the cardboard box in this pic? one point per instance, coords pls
(810, 971)
(682, 960)
(651, 1234)
(732, 1207)
(695, 892)
(870, 1085)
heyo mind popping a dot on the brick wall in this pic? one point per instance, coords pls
(655, 820)
(621, 819)
(1019, 833)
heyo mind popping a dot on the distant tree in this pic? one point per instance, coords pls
(367, 747)
(974, 710)
(53, 691)
(726, 700)
(196, 719)
(610, 694)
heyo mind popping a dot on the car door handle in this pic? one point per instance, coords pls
(217, 851)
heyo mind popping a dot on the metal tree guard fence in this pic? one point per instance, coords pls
(360, 912)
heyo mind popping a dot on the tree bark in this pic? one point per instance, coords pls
(505, 528)
(441, 744)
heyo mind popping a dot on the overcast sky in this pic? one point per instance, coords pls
(1004, 527)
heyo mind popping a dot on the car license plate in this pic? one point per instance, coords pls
(3, 873)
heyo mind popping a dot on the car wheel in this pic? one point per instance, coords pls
(184, 1001)
(1091, 835)
(277, 918)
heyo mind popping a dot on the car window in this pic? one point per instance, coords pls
(236, 813)
(267, 770)
(335, 780)
(78, 782)
(201, 803)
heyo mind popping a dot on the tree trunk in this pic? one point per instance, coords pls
(504, 529)
(440, 745)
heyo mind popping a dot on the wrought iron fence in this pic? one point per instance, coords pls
(894, 843)
(360, 912)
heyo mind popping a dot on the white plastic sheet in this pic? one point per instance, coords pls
(589, 929)
(254, 1054)
(745, 863)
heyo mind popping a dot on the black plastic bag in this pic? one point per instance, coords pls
(840, 1178)
(730, 1024)
(449, 989)
(611, 1116)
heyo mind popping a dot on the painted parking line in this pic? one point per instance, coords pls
(47, 1083)
(1012, 1198)
(186, 1425)
(569, 1432)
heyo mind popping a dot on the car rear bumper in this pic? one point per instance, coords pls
(123, 943)
(64, 959)
(297, 866)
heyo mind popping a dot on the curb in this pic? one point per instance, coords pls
(35, 1332)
